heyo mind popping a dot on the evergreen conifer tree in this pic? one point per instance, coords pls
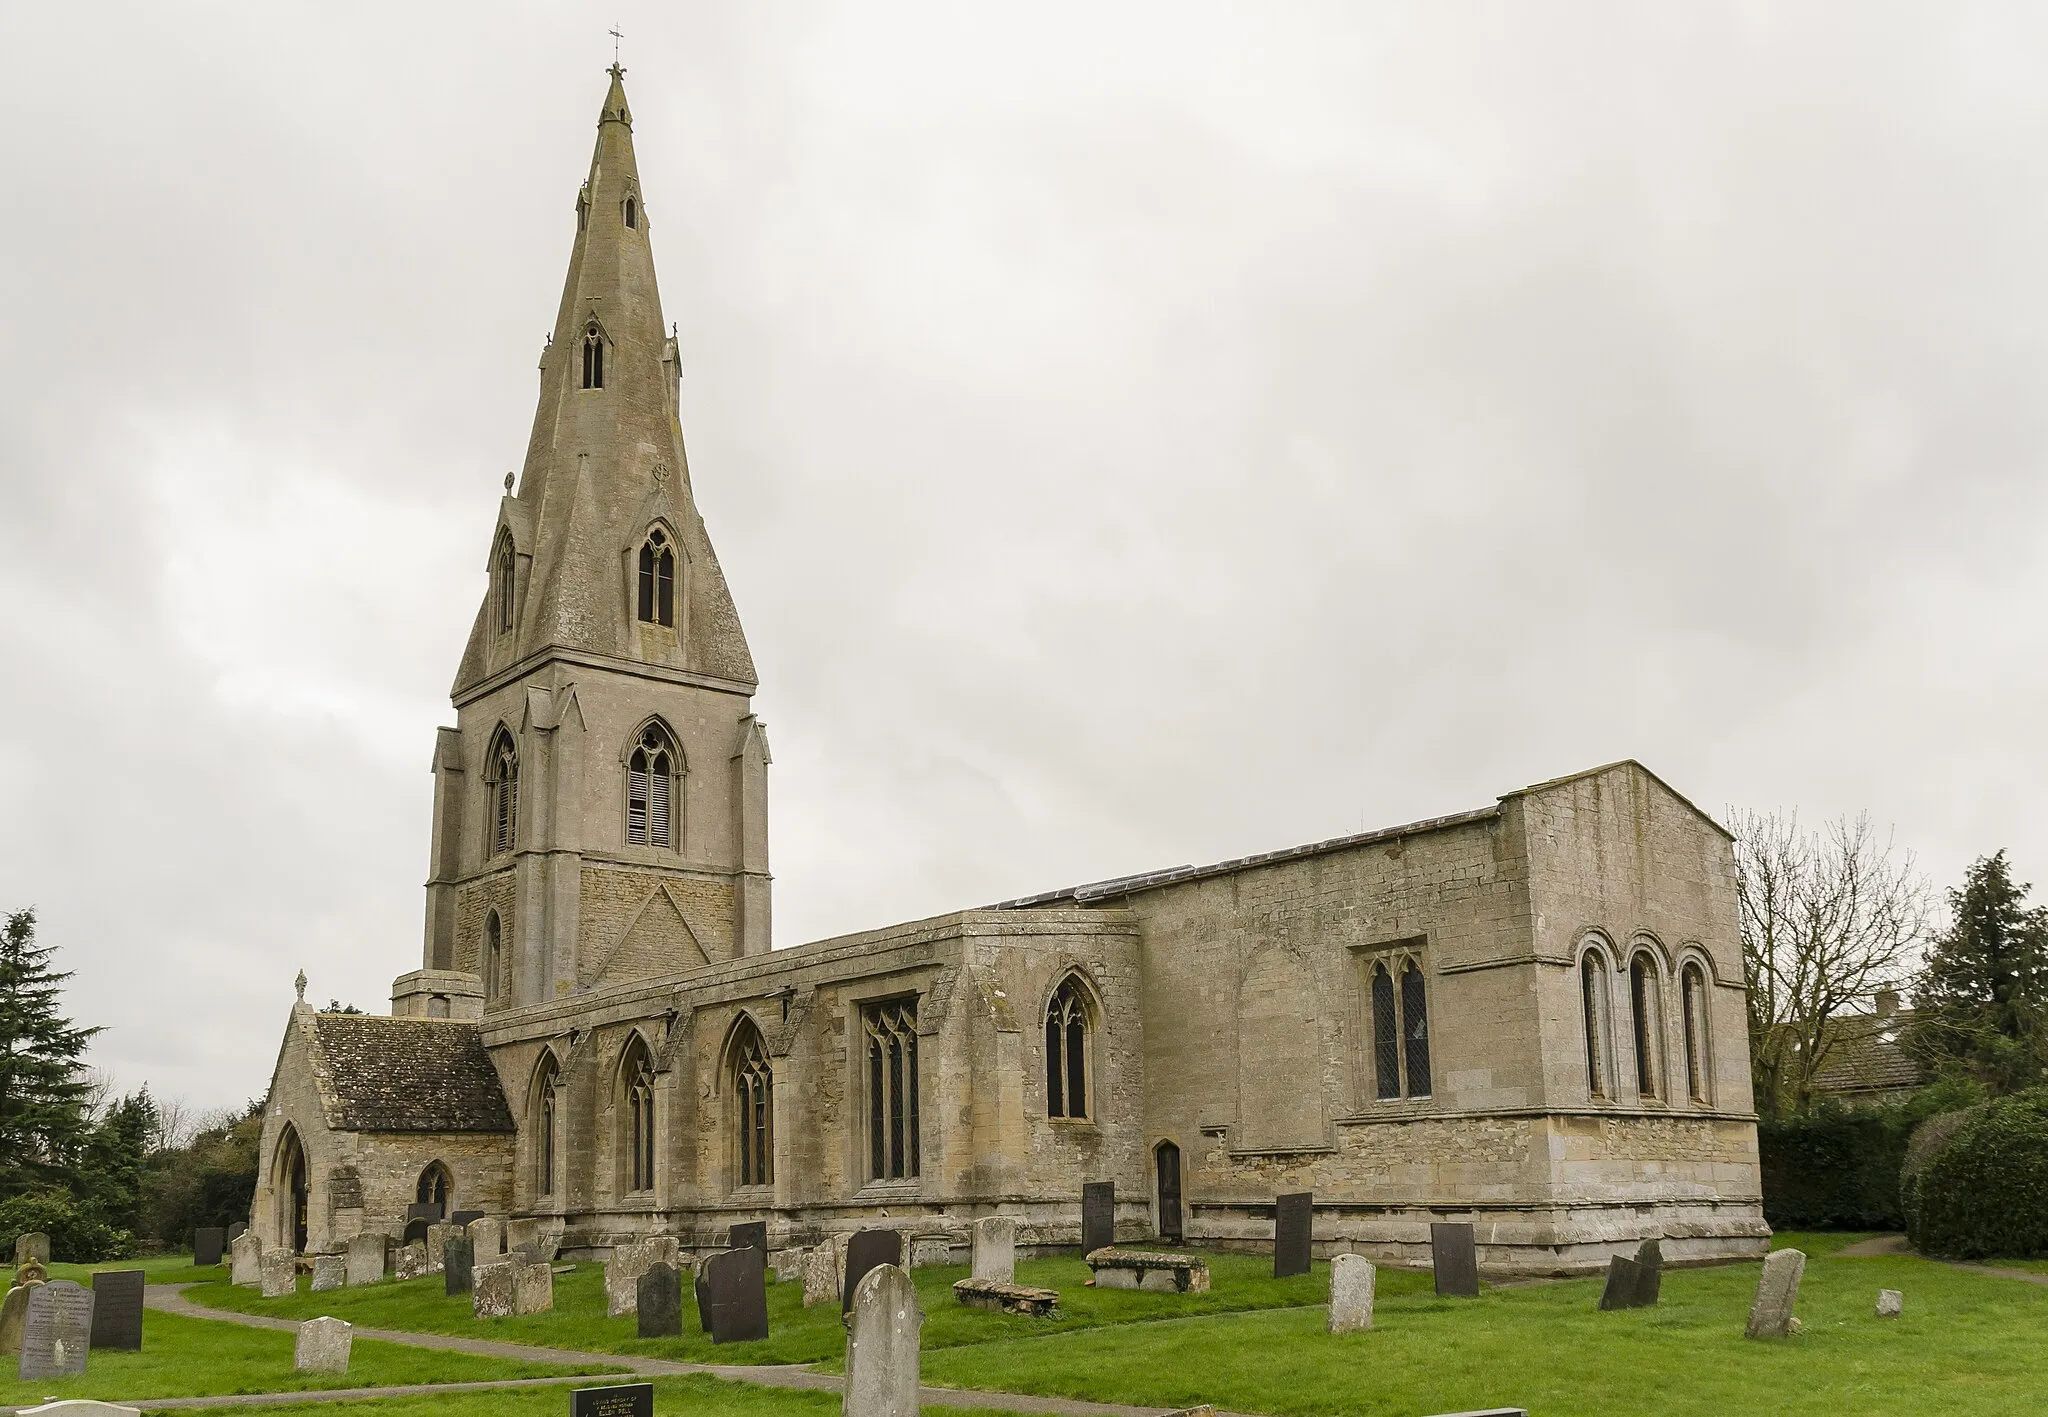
(1982, 994)
(42, 1084)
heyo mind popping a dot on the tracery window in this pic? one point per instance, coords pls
(650, 789)
(637, 1072)
(501, 782)
(1397, 1006)
(593, 357)
(434, 1187)
(657, 600)
(1642, 996)
(1066, 1051)
(494, 957)
(1386, 1035)
(891, 1030)
(1692, 991)
(1415, 1030)
(1593, 1002)
(753, 1094)
(502, 574)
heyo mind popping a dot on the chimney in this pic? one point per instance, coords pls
(1887, 1002)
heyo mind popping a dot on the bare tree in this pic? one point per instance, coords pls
(176, 1124)
(1828, 918)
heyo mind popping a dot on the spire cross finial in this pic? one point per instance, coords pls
(300, 985)
(616, 37)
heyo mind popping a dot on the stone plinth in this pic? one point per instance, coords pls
(1153, 1270)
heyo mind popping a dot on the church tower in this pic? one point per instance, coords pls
(600, 807)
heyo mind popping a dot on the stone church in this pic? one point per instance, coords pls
(1529, 1015)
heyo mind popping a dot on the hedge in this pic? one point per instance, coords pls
(1838, 1168)
(1985, 1193)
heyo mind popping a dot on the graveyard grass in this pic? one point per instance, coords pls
(698, 1396)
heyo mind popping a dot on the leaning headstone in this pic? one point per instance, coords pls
(13, 1313)
(117, 1309)
(34, 1245)
(1890, 1304)
(366, 1258)
(409, 1261)
(496, 1289)
(864, 1251)
(236, 1227)
(487, 1235)
(1649, 1273)
(1455, 1258)
(732, 1296)
(533, 1287)
(821, 1274)
(329, 1272)
(207, 1244)
(322, 1346)
(1294, 1228)
(995, 1249)
(1098, 1215)
(455, 1265)
(1777, 1293)
(280, 1273)
(1351, 1292)
(57, 1333)
(882, 1346)
(752, 1235)
(246, 1250)
(626, 1400)
(658, 1301)
(1622, 1283)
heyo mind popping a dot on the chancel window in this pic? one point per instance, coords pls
(657, 599)
(753, 1095)
(434, 1188)
(501, 782)
(638, 1075)
(503, 589)
(1593, 1005)
(1066, 1051)
(1642, 997)
(1398, 1003)
(650, 789)
(1692, 990)
(891, 1030)
(593, 358)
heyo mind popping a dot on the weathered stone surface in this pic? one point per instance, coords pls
(57, 1334)
(322, 1346)
(1890, 1304)
(882, 1346)
(455, 1265)
(1160, 1271)
(1454, 1256)
(865, 1250)
(280, 1270)
(821, 1274)
(487, 1238)
(929, 1250)
(117, 1309)
(246, 1254)
(1622, 1284)
(1008, 1298)
(30, 1272)
(533, 1287)
(208, 1244)
(1098, 1216)
(1352, 1282)
(496, 1289)
(624, 1266)
(1777, 1294)
(1294, 1228)
(437, 1245)
(995, 1249)
(34, 1245)
(409, 1261)
(1649, 1273)
(366, 1258)
(13, 1313)
(658, 1301)
(329, 1272)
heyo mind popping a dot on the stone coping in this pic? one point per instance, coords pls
(1110, 1257)
(1009, 1298)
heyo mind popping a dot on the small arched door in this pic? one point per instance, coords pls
(1166, 1157)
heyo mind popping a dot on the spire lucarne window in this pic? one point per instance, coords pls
(593, 357)
(657, 579)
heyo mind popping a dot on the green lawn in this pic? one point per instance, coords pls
(697, 1396)
(184, 1357)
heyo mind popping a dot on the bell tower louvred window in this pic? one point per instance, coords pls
(502, 781)
(650, 789)
(657, 599)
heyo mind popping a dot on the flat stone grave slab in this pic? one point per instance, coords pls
(658, 1301)
(1157, 1271)
(1454, 1256)
(752, 1235)
(1002, 1297)
(57, 1335)
(1098, 1216)
(322, 1346)
(864, 1251)
(732, 1296)
(208, 1243)
(1294, 1226)
(455, 1265)
(117, 1309)
(625, 1400)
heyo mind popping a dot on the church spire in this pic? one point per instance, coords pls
(605, 467)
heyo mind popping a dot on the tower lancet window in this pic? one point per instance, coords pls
(593, 358)
(650, 789)
(501, 572)
(501, 780)
(657, 579)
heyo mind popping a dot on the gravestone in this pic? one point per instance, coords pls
(1455, 1259)
(732, 1296)
(455, 1265)
(1098, 1216)
(322, 1346)
(437, 1246)
(57, 1334)
(415, 1233)
(929, 1250)
(487, 1236)
(496, 1289)
(246, 1250)
(533, 1287)
(1294, 1229)
(34, 1245)
(30, 1271)
(624, 1266)
(752, 1235)
(864, 1251)
(1622, 1283)
(625, 1400)
(882, 1346)
(995, 1249)
(280, 1273)
(1649, 1273)
(821, 1274)
(329, 1272)
(1777, 1293)
(236, 1227)
(117, 1309)
(1352, 1281)
(409, 1261)
(463, 1217)
(13, 1313)
(428, 1211)
(658, 1301)
(207, 1244)
(1890, 1304)
(366, 1258)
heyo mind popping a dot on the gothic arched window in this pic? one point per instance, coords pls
(650, 789)
(494, 957)
(632, 212)
(593, 358)
(636, 1078)
(501, 783)
(1066, 1051)
(546, 1095)
(891, 1030)
(1415, 1029)
(1386, 1035)
(1642, 997)
(1398, 1002)
(657, 579)
(1593, 1002)
(753, 1095)
(502, 587)
(435, 1186)
(1692, 990)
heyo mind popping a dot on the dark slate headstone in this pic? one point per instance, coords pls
(732, 1296)
(415, 1231)
(659, 1300)
(628, 1400)
(1455, 1258)
(1649, 1273)
(463, 1217)
(429, 1211)
(458, 1259)
(751, 1236)
(237, 1229)
(1294, 1227)
(117, 1309)
(1622, 1281)
(1098, 1215)
(864, 1251)
(58, 1331)
(208, 1242)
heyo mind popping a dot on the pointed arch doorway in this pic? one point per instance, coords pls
(291, 1191)
(1166, 1166)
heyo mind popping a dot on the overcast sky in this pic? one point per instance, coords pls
(1134, 434)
